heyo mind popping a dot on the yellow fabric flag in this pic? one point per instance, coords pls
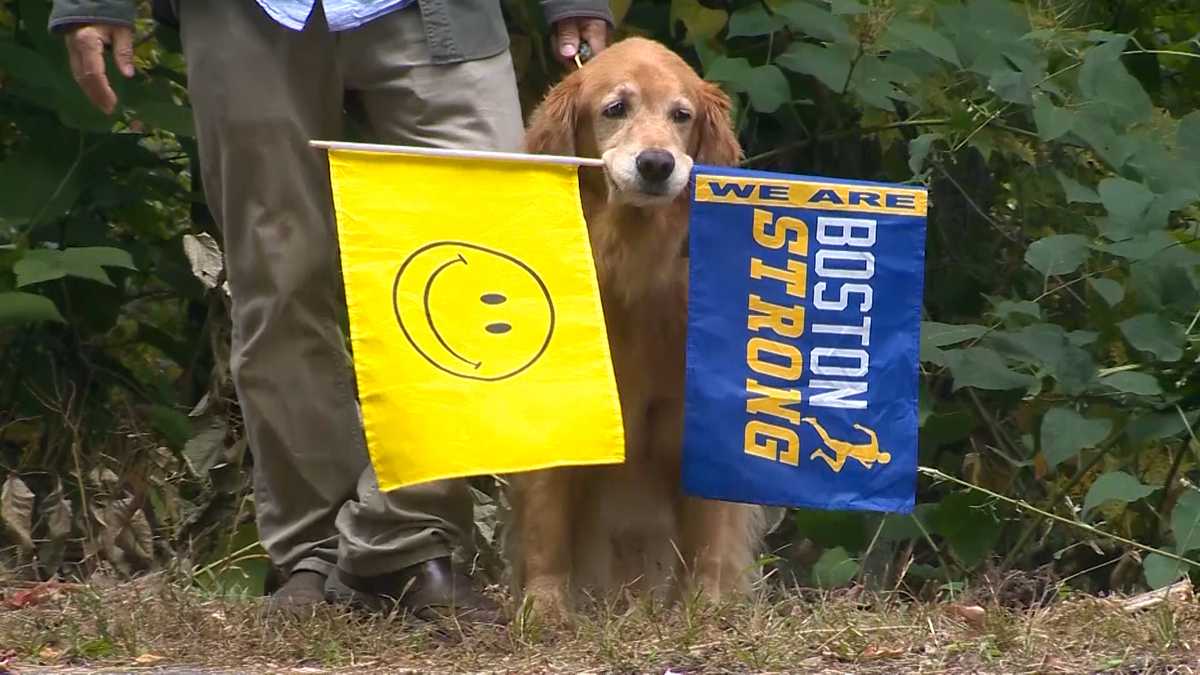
(478, 337)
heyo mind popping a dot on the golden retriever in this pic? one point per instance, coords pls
(596, 530)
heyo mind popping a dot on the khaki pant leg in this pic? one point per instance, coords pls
(410, 101)
(260, 92)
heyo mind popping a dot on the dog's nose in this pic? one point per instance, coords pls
(655, 165)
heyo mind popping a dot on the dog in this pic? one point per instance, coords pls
(619, 529)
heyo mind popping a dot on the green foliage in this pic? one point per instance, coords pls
(834, 568)
(106, 336)
(1115, 486)
(1062, 293)
(1066, 432)
(1061, 145)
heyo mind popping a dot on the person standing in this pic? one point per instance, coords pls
(264, 78)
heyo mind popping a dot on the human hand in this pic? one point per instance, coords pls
(85, 46)
(568, 34)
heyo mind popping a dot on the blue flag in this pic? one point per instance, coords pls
(804, 314)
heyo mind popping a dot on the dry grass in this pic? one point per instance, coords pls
(153, 624)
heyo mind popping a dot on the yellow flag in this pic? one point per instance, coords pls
(475, 321)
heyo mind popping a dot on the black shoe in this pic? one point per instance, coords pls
(302, 591)
(432, 591)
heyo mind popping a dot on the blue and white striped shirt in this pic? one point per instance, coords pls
(340, 14)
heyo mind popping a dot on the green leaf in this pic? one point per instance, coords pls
(834, 568)
(174, 426)
(736, 72)
(1050, 347)
(923, 37)
(1133, 383)
(832, 528)
(1125, 201)
(1066, 432)
(1114, 93)
(1082, 337)
(967, 522)
(167, 116)
(39, 185)
(1188, 134)
(86, 262)
(1151, 427)
(38, 266)
(874, 80)
(983, 368)
(1155, 334)
(752, 21)
(1114, 148)
(906, 527)
(945, 334)
(1161, 571)
(1111, 291)
(815, 21)
(830, 65)
(945, 428)
(107, 256)
(1142, 247)
(1006, 309)
(1115, 486)
(1052, 121)
(18, 308)
(1185, 522)
(850, 7)
(700, 22)
(918, 150)
(1077, 192)
(1057, 254)
(768, 89)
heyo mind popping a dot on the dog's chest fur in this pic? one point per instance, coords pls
(628, 527)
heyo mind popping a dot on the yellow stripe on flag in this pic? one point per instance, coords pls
(475, 320)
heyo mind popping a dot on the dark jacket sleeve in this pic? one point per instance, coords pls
(65, 13)
(557, 10)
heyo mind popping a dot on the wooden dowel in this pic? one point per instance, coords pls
(448, 152)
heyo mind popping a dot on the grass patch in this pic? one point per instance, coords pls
(154, 623)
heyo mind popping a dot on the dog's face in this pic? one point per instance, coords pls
(646, 113)
(644, 127)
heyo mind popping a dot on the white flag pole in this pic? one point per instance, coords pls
(448, 152)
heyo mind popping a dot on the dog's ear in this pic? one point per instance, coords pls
(719, 145)
(552, 125)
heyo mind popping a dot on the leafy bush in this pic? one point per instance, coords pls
(1060, 141)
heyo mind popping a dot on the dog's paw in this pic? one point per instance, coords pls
(547, 603)
(713, 588)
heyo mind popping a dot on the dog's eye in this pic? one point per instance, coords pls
(614, 110)
(680, 115)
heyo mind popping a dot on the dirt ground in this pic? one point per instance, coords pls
(157, 626)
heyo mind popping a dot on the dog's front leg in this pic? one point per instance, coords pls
(545, 532)
(717, 546)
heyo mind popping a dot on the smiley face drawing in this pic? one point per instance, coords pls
(471, 311)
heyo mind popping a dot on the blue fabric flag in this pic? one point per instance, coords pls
(804, 316)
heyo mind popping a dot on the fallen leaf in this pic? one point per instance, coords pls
(974, 615)
(205, 255)
(32, 596)
(58, 513)
(877, 652)
(16, 511)
(149, 659)
(49, 654)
